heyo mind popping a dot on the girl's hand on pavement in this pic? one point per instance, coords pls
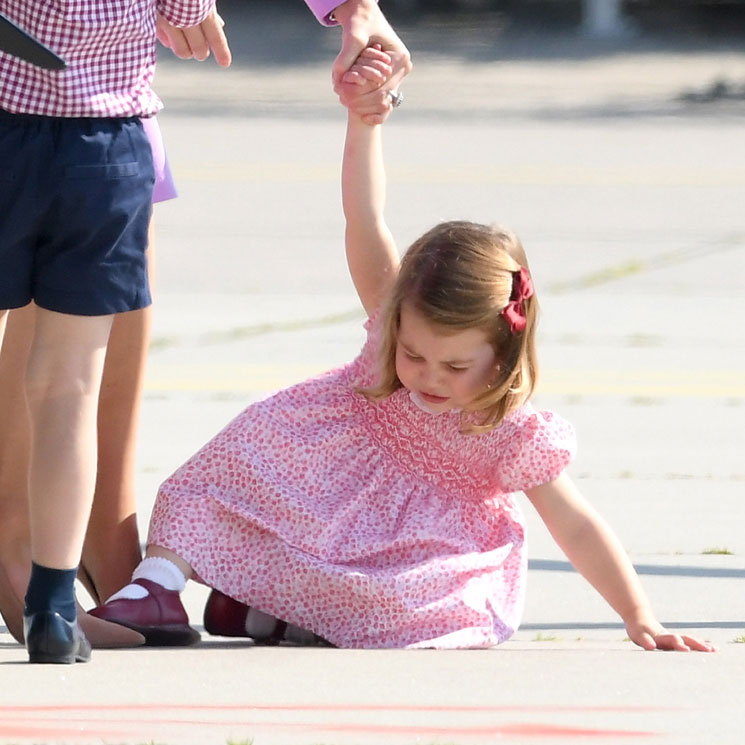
(654, 636)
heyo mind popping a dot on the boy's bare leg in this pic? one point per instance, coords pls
(63, 385)
(63, 379)
(117, 541)
(112, 548)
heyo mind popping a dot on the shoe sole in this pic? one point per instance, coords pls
(44, 658)
(53, 640)
(165, 636)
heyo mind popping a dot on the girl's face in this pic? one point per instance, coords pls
(445, 370)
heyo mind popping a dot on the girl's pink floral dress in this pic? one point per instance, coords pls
(371, 524)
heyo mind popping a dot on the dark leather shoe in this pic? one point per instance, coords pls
(50, 638)
(159, 617)
(224, 616)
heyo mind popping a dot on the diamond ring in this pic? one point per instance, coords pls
(396, 98)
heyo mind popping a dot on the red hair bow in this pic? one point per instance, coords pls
(522, 289)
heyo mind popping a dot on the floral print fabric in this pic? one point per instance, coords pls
(372, 524)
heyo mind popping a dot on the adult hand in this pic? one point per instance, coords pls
(363, 25)
(198, 41)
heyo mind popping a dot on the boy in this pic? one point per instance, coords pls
(77, 177)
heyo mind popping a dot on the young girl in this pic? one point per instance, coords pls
(374, 506)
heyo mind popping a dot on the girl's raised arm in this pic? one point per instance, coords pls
(371, 251)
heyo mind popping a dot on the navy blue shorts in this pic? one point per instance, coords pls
(75, 203)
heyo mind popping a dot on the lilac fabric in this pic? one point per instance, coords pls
(321, 9)
(164, 188)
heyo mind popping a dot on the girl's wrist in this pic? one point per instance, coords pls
(641, 616)
(359, 122)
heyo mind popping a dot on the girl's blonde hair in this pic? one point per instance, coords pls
(460, 275)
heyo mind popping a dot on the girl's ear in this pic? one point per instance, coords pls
(495, 376)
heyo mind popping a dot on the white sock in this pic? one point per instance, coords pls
(157, 569)
(296, 635)
(259, 624)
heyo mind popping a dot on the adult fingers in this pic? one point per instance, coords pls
(214, 35)
(195, 38)
(376, 101)
(353, 42)
(161, 30)
(173, 38)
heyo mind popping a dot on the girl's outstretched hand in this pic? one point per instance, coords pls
(364, 26)
(371, 69)
(360, 88)
(654, 636)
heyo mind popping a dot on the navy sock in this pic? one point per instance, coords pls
(52, 590)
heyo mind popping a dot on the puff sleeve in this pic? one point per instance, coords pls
(540, 445)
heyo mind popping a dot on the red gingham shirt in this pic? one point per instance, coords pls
(109, 47)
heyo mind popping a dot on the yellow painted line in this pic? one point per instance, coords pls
(497, 173)
(262, 379)
(642, 391)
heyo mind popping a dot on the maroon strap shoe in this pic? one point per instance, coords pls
(160, 616)
(225, 616)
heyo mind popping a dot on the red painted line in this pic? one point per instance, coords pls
(337, 707)
(523, 729)
(151, 717)
(35, 731)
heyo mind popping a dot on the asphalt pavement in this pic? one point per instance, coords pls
(621, 166)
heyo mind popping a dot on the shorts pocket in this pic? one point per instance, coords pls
(106, 172)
